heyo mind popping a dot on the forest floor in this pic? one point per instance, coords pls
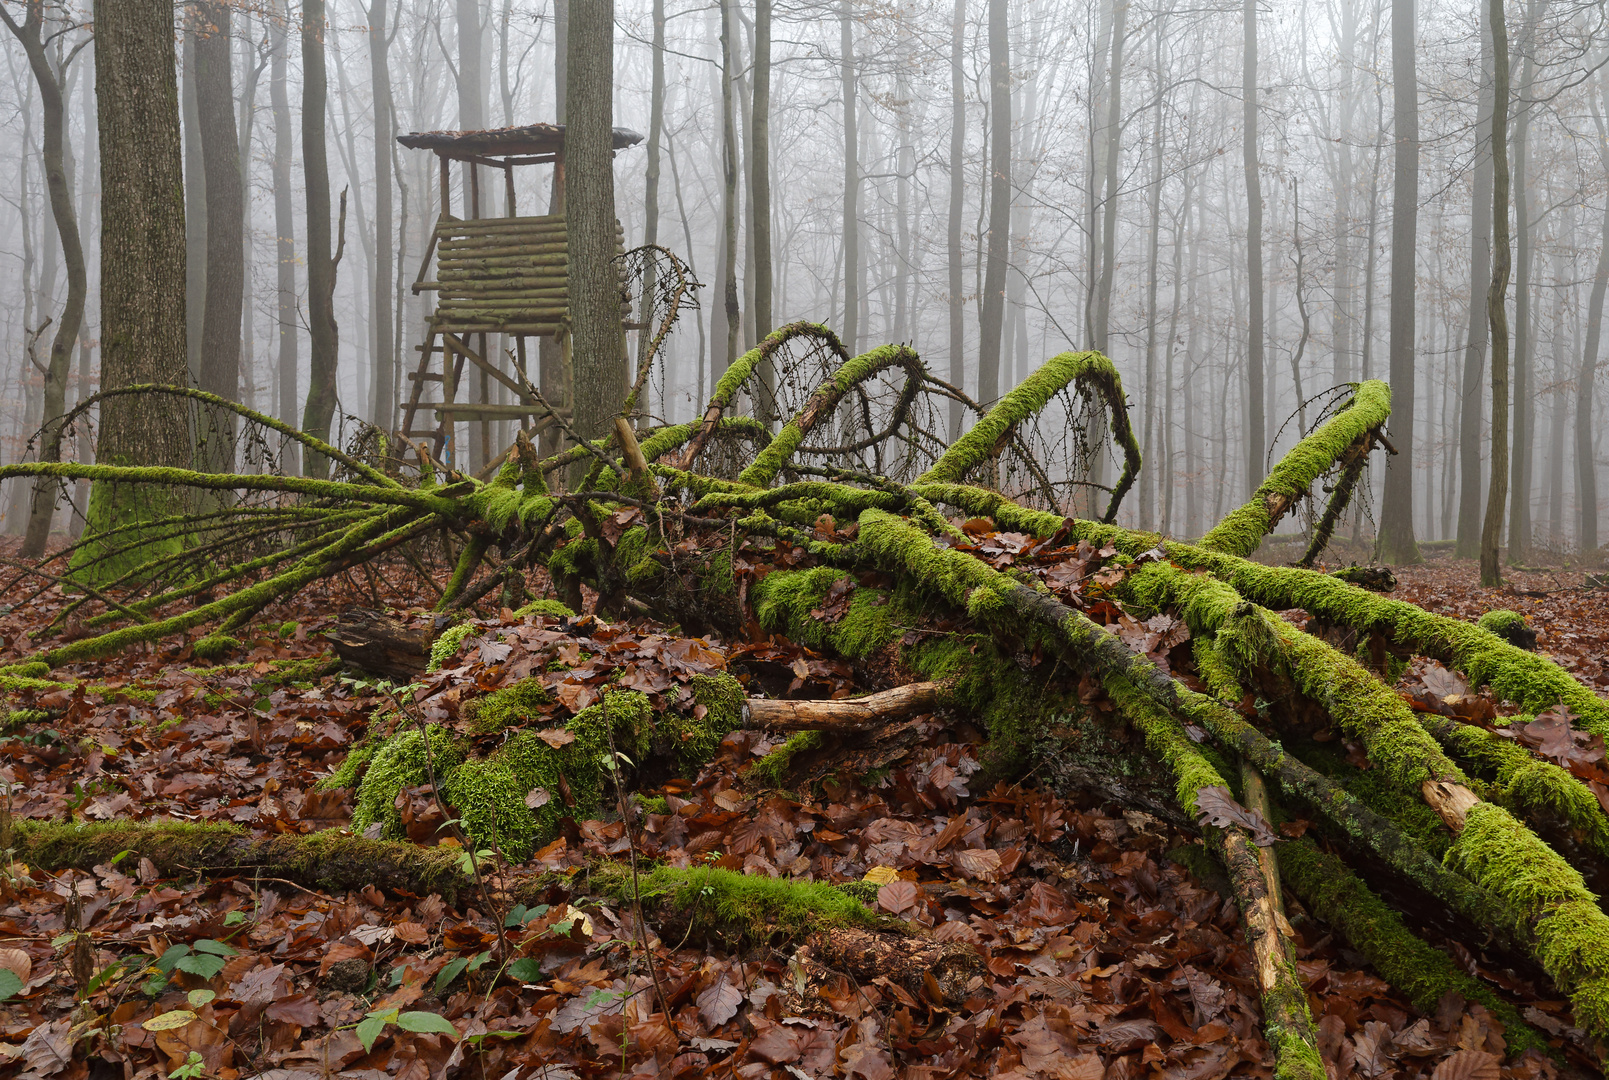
(1104, 958)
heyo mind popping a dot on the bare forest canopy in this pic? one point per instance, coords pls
(1123, 135)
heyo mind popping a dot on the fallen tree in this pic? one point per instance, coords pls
(949, 573)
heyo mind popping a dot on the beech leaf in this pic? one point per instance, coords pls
(1216, 806)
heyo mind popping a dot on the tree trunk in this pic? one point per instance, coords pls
(88, 199)
(1148, 406)
(958, 133)
(1523, 407)
(656, 136)
(142, 269)
(1341, 310)
(992, 309)
(1496, 297)
(1586, 466)
(42, 509)
(321, 389)
(287, 319)
(760, 193)
(195, 200)
(729, 188)
(1396, 545)
(589, 214)
(1256, 435)
(385, 390)
(851, 223)
(1472, 392)
(226, 271)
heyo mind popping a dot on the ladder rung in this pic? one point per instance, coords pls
(427, 376)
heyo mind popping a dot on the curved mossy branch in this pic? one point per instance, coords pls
(1532, 681)
(164, 476)
(255, 596)
(1352, 464)
(984, 439)
(1422, 972)
(746, 367)
(310, 442)
(1243, 529)
(824, 400)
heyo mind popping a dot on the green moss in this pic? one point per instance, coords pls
(1536, 790)
(552, 609)
(17, 718)
(653, 804)
(1501, 622)
(771, 771)
(349, 772)
(784, 599)
(213, 646)
(735, 907)
(696, 737)
(1166, 740)
(288, 628)
(489, 798)
(511, 706)
(1404, 809)
(401, 762)
(1091, 371)
(1570, 931)
(1420, 971)
(583, 763)
(32, 670)
(1216, 672)
(446, 646)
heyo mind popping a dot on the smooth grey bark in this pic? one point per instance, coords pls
(760, 170)
(53, 146)
(88, 199)
(1586, 466)
(1256, 434)
(992, 309)
(1472, 392)
(729, 188)
(1396, 545)
(226, 271)
(248, 122)
(1524, 408)
(195, 202)
(851, 223)
(589, 214)
(957, 294)
(1496, 309)
(319, 409)
(1341, 308)
(287, 398)
(385, 390)
(1112, 131)
(1148, 402)
(656, 136)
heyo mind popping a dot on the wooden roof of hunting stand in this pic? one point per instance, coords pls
(494, 275)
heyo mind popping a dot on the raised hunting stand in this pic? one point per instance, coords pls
(494, 276)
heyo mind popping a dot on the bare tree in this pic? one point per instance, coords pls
(1256, 434)
(49, 77)
(325, 340)
(226, 271)
(1472, 392)
(1396, 542)
(1496, 301)
(992, 309)
(958, 132)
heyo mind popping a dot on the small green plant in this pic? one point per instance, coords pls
(194, 1066)
(371, 1026)
(205, 958)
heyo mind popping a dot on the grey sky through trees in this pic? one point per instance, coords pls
(1152, 214)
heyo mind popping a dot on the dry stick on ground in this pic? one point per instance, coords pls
(844, 714)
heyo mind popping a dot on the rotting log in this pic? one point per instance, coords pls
(380, 644)
(844, 714)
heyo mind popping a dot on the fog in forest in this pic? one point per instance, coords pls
(1244, 206)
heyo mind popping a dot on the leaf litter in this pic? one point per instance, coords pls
(1103, 957)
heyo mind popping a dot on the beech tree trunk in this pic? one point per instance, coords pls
(1472, 393)
(385, 390)
(142, 260)
(1496, 297)
(42, 507)
(286, 319)
(226, 271)
(1256, 434)
(589, 214)
(958, 133)
(851, 222)
(320, 407)
(1586, 466)
(992, 309)
(1522, 407)
(1397, 546)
